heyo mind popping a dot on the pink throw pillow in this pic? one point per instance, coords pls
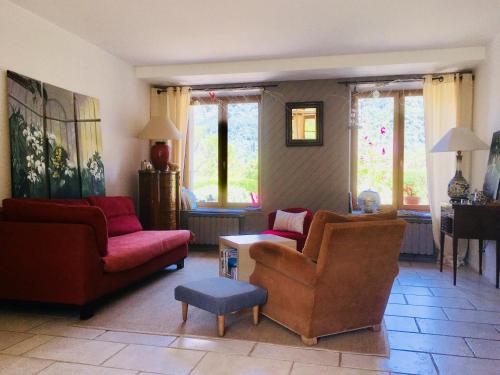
(288, 221)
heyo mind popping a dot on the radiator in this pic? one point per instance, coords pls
(208, 228)
(418, 238)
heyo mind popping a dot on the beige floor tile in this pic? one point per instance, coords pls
(484, 304)
(400, 323)
(230, 364)
(399, 361)
(58, 328)
(417, 290)
(308, 369)
(210, 345)
(485, 348)
(415, 311)
(472, 316)
(448, 292)
(19, 322)
(460, 329)
(8, 339)
(60, 368)
(11, 365)
(286, 353)
(76, 350)
(397, 298)
(428, 343)
(460, 303)
(136, 338)
(414, 281)
(155, 359)
(464, 366)
(27, 345)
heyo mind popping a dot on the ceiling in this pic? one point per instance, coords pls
(166, 32)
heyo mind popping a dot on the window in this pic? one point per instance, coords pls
(388, 148)
(224, 151)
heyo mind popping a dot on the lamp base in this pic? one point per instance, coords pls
(458, 188)
(159, 156)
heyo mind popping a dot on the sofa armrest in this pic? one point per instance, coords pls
(55, 263)
(285, 260)
(28, 211)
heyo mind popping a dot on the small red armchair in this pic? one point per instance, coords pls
(299, 237)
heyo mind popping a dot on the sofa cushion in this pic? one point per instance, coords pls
(321, 218)
(292, 235)
(289, 221)
(67, 202)
(134, 249)
(120, 213)
(30, 210)
(298, 237)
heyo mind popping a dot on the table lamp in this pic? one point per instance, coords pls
(459, 139)
(160, 129)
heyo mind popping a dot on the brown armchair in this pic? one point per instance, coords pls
(349, 286)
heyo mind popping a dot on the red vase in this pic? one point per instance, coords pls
(159, 156)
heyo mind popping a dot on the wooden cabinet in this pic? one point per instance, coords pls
(159, 200)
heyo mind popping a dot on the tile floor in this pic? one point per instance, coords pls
(432, 326)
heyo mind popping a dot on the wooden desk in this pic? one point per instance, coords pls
(470, 222)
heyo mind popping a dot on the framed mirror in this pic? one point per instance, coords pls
(304, 124)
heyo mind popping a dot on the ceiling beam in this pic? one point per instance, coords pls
(432, 57)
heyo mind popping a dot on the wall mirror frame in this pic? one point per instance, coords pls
(304, 124)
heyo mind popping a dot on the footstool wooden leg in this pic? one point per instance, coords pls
(220, 324)
(255, 311)
(309, 341)
(184, 311)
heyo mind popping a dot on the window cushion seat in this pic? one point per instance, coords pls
(299, 237)
(134, 249)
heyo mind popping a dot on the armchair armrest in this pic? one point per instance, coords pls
(285, 260)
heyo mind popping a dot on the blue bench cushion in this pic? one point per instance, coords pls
(220, 295)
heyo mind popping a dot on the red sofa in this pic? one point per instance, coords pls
(299, 237)
(75, 251)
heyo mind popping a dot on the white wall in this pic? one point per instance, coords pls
(486, 122)
(31, 46)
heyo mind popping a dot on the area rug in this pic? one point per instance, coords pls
(149, 307)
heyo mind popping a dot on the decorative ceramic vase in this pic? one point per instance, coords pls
(369, 201)
(159, 156)
(458, 187)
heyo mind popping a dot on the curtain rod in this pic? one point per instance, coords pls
(400, 78)
(235, 86)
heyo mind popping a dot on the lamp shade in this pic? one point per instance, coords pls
(160, 128)
(459, 139)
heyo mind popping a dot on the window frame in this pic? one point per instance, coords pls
(398, 148)
(222, 102)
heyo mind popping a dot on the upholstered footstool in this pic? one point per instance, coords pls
(220, 295)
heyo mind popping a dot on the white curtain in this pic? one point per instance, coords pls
(447, 104)
(174, 103)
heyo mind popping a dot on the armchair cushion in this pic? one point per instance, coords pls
(120, 213)
(321, 218)
(285, 260)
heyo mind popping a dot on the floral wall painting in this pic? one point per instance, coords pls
(88, 125)
(492, 179)
(55, 141)
(64, 179)
(27, 142)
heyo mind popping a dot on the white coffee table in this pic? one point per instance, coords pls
(242, 245)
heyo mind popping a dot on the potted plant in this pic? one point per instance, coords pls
(411, 198)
